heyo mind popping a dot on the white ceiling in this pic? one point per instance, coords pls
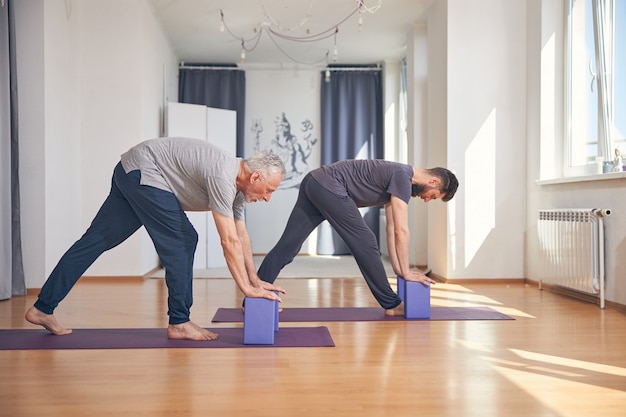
(193, 28)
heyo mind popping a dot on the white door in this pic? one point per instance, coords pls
(219, 127)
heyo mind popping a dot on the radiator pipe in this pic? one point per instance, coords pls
(601, 212)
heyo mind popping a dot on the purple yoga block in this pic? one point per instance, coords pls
(400, 286)
(260, 321)
(275, 314)
(416, 300)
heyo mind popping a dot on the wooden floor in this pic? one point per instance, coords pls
(560, 357)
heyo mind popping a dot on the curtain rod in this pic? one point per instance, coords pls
(376, 68)
(202, 67)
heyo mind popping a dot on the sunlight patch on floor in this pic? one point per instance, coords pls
(565, 395)
(572, 363)
(480, 347)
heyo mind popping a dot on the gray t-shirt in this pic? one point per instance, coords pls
(199, 174)
(369, 182)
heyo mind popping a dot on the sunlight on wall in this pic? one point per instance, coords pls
(547, 152)
(364, 152)
(391, 142)
(480, 183)
(452, 232)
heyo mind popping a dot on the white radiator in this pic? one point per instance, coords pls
(571, 248)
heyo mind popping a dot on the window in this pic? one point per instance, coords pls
(596, 83)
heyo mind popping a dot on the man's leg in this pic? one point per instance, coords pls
(114, 223)
(175, 241)
(173, 236)
(344, 216)
(303, 220)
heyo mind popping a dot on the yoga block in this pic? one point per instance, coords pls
(400, 286)
(260, 321)
(416, 300)
(275, 314)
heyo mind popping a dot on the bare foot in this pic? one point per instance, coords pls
(189, 331)
(48, 321)
(396, 311)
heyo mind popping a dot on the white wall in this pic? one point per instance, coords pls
(437, 127)
(479, 83)
(417, 135)
(124, 56)
(393, 149)
(91, 78)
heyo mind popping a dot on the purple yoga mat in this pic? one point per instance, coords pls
(365, 314)
(25, 339)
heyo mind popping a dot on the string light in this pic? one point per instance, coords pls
(285, 28)
(361, 6)
(274, 29)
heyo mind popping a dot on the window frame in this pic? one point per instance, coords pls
(602, 11)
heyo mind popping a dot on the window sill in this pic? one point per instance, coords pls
(584, 178)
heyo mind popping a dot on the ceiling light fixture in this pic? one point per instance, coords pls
(276, 30)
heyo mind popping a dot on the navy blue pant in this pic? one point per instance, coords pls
(128, 207)
(314, 205)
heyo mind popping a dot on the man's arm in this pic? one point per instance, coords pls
(248, 258)
(399, 239)
(398, 235)
(236, 257)
(391, 240)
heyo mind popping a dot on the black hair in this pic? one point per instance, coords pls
(449, 182)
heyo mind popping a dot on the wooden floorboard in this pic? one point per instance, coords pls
(559, 357)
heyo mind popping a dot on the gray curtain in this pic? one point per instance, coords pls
(212, 86)
(12, 271)
(352, 128)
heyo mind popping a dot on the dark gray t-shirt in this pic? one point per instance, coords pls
(200, 175)
(369, 182)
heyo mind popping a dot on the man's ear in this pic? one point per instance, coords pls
(255, 177)
(434, 182)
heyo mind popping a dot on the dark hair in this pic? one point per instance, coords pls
(449, 182)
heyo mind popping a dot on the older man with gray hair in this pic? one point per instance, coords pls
(153, 185)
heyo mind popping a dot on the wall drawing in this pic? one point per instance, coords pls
(294, 148)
